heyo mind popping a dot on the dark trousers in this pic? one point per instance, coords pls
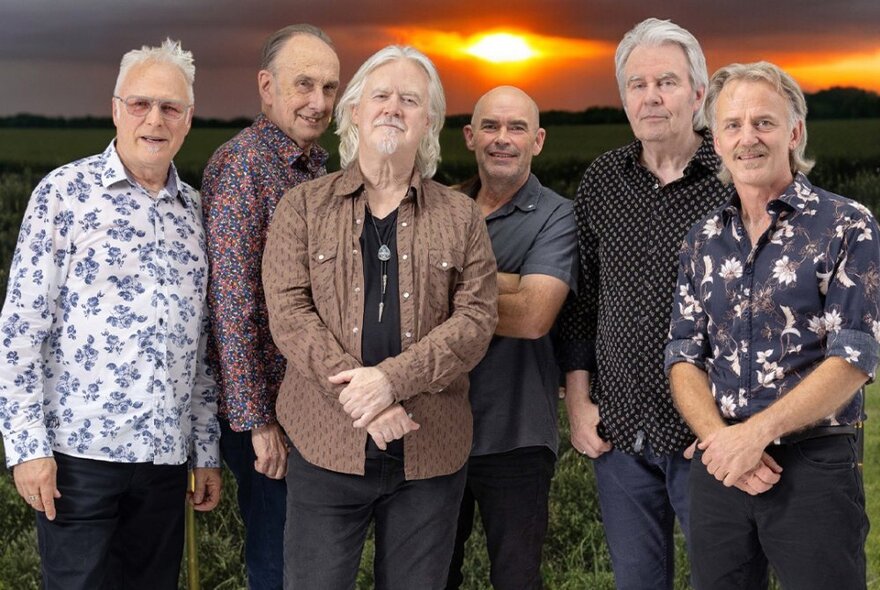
(119, 525)
(512, 491)
(262, 502)
(811, 526)
(328, 514)
(640, 497)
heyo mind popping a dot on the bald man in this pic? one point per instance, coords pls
(513, 390)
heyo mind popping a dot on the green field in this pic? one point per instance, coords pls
(575, 552)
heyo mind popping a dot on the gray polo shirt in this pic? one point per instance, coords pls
(514, 388)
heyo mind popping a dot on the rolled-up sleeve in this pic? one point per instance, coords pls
(688, 337)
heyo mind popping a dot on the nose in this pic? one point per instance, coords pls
(392, 105)
(501, 138)
(319, 100)
(652, 94)
(749, 136)
(154, 115)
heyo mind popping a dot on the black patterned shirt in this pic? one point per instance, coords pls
(630, 228)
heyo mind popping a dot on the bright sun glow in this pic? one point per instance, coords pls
(501, 48)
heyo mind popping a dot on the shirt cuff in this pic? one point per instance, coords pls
(577, 355)
(684, 351)
(857, 348)
(26, 445)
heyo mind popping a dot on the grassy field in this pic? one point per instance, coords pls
(575, 552)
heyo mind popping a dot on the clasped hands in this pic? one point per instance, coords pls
(369, 399)
(735, 455)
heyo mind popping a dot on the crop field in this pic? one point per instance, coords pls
(575, 555)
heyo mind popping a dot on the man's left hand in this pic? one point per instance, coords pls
(731, 452)
(206, 494)
(367, 394)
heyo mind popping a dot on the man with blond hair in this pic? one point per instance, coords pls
(105, 396)
(774, 333)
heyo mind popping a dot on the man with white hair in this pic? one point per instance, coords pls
(381, 290)
(774, 333)
(104, 396)
(632, 209)
(242, 184)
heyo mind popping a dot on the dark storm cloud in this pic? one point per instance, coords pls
(46, 42)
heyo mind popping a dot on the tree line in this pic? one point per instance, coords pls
(834, 103)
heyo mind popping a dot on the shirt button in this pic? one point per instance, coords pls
(354, 252)
(407, 334)
(357, 289)
(355, 330)
(406, 294)
(656, 186)
(404, 257)
(320, 257)
(444, 264)
(358, 221)
(403, 224)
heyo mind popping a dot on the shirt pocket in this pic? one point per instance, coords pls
(445, 268)
(322, 274)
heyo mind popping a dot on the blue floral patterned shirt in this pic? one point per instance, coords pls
(758, 320)
(102, 334)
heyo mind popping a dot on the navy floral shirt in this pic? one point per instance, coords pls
(758, 320)
(103, 332)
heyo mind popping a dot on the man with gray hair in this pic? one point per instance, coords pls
(632, 209)
(381, 290)
(105, 396)
(774, 333)
(242, 184)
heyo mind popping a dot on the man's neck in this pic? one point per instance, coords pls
(753, 205)
(386, 182)
(494, 194)
(667, 160)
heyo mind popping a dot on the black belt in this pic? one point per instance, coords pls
(816, 432)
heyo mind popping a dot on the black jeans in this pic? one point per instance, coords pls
(119, 525)
(328, 514)
(262, 502)
(811, 526)
(512, 491)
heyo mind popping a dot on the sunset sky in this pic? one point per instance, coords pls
(61, 58)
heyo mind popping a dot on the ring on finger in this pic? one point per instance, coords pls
(32, 498)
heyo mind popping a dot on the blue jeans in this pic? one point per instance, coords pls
(640, 496)
(262, 502)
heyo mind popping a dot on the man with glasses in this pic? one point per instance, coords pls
(242, 184)
(104, 396)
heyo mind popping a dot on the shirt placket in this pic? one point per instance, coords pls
(159, 382)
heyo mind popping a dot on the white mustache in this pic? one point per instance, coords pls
(389, 121)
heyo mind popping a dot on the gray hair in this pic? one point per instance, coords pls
(428, 155)
(653, 32)
(170, 52)
(784, 85)
(277, 40)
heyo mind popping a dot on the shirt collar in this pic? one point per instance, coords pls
(525, 199)
(352, 183)
(281, 144)
(791, 198)
(705, 155)
(114, 171)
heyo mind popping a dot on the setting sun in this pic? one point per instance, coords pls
(501, 48)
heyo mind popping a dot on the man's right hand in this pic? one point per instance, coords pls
(760, 479)
(392, 424)
(583, 419)
(270, 447)
(36, 483)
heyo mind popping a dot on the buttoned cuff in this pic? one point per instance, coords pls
(576, 355)
(26, 445)
(857, 348)
(686, 350)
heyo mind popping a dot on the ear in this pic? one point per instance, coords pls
(796, 133)
(539, 141)
(114, 104)
(699, 96)
(265, 82)
(468, 132)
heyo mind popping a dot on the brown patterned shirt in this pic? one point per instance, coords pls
(313, 280)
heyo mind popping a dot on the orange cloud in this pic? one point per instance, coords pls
(814, 73)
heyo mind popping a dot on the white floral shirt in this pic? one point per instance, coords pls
(758, 320)
(103, 330)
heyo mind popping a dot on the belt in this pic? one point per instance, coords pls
(816, 432)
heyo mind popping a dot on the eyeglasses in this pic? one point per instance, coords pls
(140, 106)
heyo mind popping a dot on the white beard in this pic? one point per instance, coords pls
(388, 143)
